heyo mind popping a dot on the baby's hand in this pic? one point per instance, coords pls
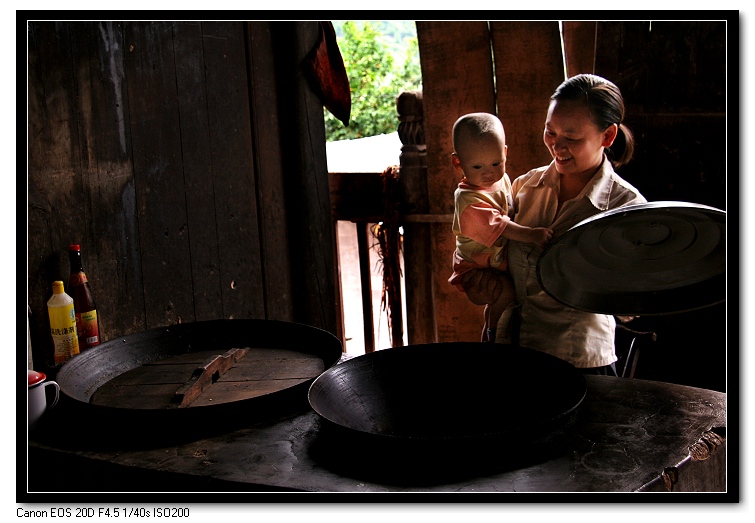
(540, 236)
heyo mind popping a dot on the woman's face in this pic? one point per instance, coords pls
(574, 141)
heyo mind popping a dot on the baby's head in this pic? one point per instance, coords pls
(479, 148)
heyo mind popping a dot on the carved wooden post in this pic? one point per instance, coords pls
(420, 301)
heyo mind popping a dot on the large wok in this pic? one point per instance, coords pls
(445, 407)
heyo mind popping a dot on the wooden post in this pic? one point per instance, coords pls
(304, 167)
(365, 278)
(417, 248)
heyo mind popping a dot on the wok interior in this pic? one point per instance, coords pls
(447, 390)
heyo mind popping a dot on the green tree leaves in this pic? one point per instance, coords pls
(375, 82)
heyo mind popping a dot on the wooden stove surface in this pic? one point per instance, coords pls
(631, 436)
(260, 371)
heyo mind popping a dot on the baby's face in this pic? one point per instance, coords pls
(483, 160)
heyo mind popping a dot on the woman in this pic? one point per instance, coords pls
(587, 139)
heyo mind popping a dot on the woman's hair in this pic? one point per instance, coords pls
(606, 106)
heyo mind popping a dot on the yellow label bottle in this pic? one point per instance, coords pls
(87, 323)
(62, 324)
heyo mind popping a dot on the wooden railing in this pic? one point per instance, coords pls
(368, 198)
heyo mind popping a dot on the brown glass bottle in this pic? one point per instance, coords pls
(87, 322)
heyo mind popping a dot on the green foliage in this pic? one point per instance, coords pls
(374, 78)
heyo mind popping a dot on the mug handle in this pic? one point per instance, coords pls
(57, 393)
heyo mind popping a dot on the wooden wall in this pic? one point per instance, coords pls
(454, 83)
(506, 68)
(188, 160)
(673, 77)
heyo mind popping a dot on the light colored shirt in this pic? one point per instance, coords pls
(583, 339)
(480, 216)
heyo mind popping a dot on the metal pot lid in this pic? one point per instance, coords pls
(645, 259)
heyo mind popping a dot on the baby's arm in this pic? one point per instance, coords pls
(540, 236)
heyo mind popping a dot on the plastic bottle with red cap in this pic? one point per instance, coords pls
(87, 322)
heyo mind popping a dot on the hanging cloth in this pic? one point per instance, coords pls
(326, 73)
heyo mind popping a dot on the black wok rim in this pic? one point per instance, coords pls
(578, 384)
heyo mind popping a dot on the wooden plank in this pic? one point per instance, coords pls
(110, 241)
(56, 211)
(264, 99)
(454, 83)
(158, 395)
(152, 396)
(205, 375)
(672, 76)
(153, 374)
(624, 57)
(237, 226)
(340, 328)
(365, 279)
(293, 365)
(417, 246)
(196, 357)
(158, 173)
(580, 41)
(260, 371)
(200, 174)
(223, 392)
(83, 71)
(448, 96)
(528, 68)
(314, 266)
(421, 322)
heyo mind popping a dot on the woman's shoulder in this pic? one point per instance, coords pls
(627, 189)
(532, 177)
(537, 171)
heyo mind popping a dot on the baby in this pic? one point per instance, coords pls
(482, 217)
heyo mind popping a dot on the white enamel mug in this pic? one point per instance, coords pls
(37, 397)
